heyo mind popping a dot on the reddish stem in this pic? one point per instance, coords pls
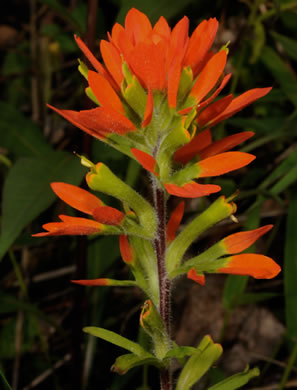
(164, 282)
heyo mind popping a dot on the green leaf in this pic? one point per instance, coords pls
(180, 352)
(234, 286)
(125, 362)
(4, 381)
(250, 298)
(198, 364)
(264, 126)
(219, 210)
(258, 42)
(118, 340)
(288, 179)
(19, 135)
(281, 170)
(281, 72)
(27, 191)
(237, 380)
(289, 44)
(290, 266)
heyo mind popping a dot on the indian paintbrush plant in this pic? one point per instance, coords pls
(155, 99)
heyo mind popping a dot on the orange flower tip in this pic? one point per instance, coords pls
(192, 189)
(127, 251)
(108, 215)
(198, 278)
(76, 197)
(223, 163)
(257, 266)
(92, 282)
(238, 242)
(146, 160)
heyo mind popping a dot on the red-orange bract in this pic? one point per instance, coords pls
(144, 64)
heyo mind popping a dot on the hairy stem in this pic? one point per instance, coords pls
(164, 282)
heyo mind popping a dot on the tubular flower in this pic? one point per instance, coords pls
(152, 72)
(257, 266)
(105, 218)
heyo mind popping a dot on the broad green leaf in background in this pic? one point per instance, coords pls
(152, 8)
(19, 135)
(27, 191)
(237, 380)
(289, 44)
(258, 42)
(282, 73)
(290, 266)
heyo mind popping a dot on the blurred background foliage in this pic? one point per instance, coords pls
(41, 312)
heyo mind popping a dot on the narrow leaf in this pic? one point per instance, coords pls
(198, 364)
(281, 72)
(19, 135)
(237, 380)
(118, 340)
(124, 363)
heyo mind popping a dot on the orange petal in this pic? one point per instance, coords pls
(213, 110)
(147, 61)
(209, 76)
(108, 215)
(74, 117)
(161, 28)
(148, 109)
(184, 154)
(137, 26)
(223, 163)
(174, 222)
(99, 122)
(216, 92)
(120, 39)
(238, 242)
(225, 144)
(146, 160)
(173, 80)
(112, 60)
(199, 44)
(90, 56)
(258, 266)
(240, 102)
(77, 226)
(193, 275)
(76, 197)
(192, 189)
(127, 251)
(92, 282)
(104, 92)
(178, 42)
